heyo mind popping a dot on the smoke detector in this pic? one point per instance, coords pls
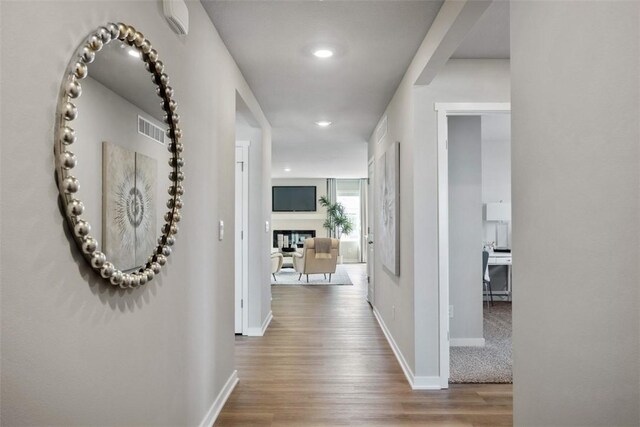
(177, 15)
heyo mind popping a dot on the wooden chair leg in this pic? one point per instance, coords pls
(325, 276)
(329, 277)
(274, 277)
(300, 277)
(307, 278)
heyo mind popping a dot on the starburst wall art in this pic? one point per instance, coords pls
(129, 206)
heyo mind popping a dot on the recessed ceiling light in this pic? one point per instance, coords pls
(134, 53)
(323, 53)
(287, 169)
(323, 123)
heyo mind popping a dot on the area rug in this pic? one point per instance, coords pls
(492, 363)
(288, 276)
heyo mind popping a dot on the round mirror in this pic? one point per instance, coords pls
(118, 149)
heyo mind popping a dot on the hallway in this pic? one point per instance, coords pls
(325, 362)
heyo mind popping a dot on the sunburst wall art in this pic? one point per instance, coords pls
(129, 206)
(388, 197)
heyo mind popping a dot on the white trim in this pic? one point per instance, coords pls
(416, 383)
(443, 110)
(258, 332)
(243, 143)
(467, 342)
(220, 400)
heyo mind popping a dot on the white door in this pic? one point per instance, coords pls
(241, 249)
(370, 230)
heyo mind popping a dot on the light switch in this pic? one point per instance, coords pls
(266, 226)
(221, 230)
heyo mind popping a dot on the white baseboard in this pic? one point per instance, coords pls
(467, 342)
(221, 399)
(258, 332)
(416, 382)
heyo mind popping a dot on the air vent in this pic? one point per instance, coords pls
(381, 130)
(148, 129)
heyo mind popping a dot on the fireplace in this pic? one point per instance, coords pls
(291, 238)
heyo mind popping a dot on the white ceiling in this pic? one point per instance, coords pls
(271, 41)
(489, 38)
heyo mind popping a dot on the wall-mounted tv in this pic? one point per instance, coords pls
(291, 198)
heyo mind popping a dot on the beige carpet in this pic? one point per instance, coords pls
(492, 363)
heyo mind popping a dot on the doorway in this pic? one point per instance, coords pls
(444, 112)
(370, 236)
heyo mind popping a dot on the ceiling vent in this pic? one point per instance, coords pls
(177, 15)
(148, 129)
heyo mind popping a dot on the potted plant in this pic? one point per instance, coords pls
(337, 222)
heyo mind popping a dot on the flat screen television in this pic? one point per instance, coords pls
(293, 198)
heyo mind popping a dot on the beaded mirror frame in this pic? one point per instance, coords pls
(66, 160)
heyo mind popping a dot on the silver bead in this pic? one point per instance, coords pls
(123, 31)
(150, 274)
(142, 278)
(70, 111)
(95, 43)
(178, 203)
(75, 207)
(173, 176)
(107, 270)
(168, 91)
(82, 228)
(173, 105)
(161, 259)
(145, 46)
(80, 70)
(174, 229)
(135, 281)
(68, 136)
(89, 245)
(155, 267)
(159, 67)
(73, 89)
(176, 217)
(168, 216)
(176, 162)
(113, 29)
(131, 33)
(166, 229)
(176, 189)
(126, 281)
(98, 259)
(153, 55)
(164, 79)
(88, 55)
(71, 184)
(138, 39)
(171, 203)
(68, 160)
(104, 34)
(170, 241)
(178, 133)
(116, 277)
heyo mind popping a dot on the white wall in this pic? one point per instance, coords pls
(301, 220)
(412, 121)
(74, 351)
(465, 227)
(576, 204)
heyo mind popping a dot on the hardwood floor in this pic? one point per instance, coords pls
(325, 362)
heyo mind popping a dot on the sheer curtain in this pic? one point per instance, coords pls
(332, 189)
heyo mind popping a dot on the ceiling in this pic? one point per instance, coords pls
(272, 41)
(489, 38)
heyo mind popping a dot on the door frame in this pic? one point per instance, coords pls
(371, 224)
(443, 111)
(243, 158)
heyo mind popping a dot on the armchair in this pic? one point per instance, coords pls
(276, 263)
(307, 263)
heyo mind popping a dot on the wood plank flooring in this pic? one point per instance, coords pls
(325, 362)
